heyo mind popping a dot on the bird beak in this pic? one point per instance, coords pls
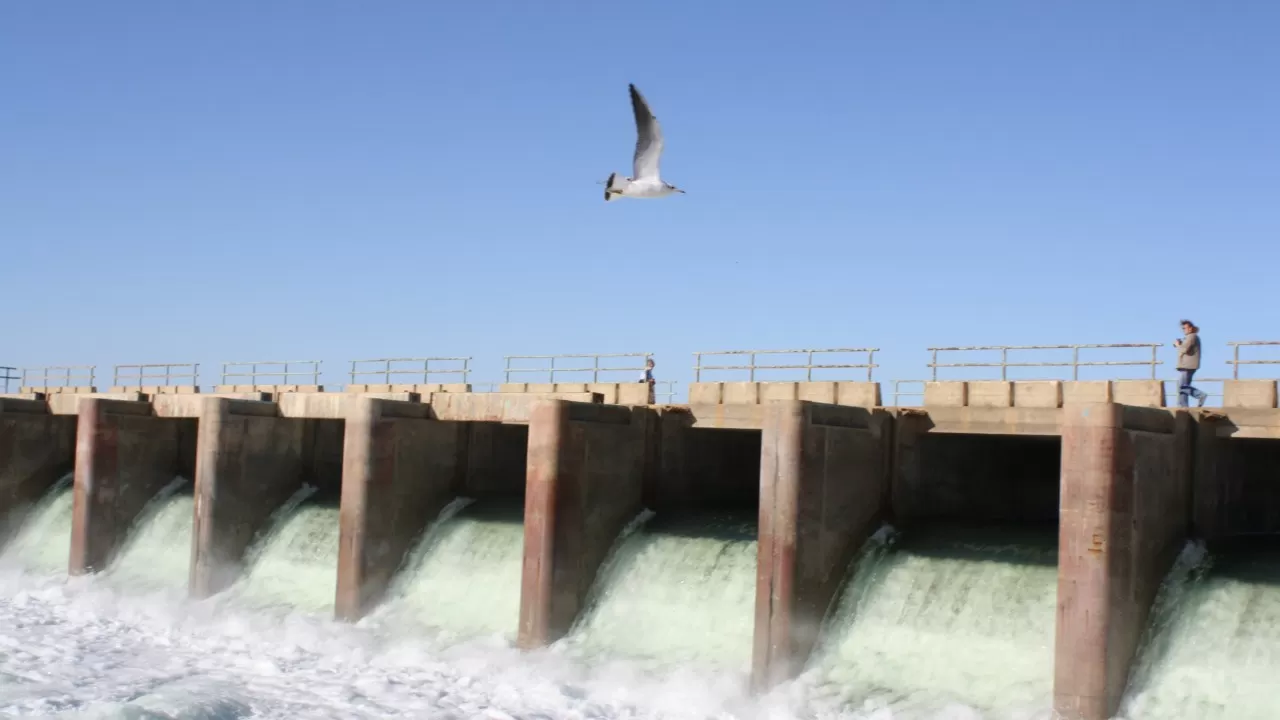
(679, 191)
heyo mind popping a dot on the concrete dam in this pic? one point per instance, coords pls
(1005, 543)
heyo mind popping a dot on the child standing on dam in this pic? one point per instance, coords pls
(1188, 363)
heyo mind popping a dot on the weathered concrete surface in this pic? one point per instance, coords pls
(854, 394)
(496, 455)
(986, 420)
(1041, 393)
(1140, 393)
(249, 461)
(497, 407)
(400, 468)
(419, 388)
(1124, 514)
(585, 477)
(1252, 394)
(36, 449)
(124, 456)
(698, 460)
(1237, 473)
(824, 480)
(635, 393)
(981, 476)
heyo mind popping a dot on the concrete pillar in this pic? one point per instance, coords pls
(124, 456)
(249, 461)
(399, 470)
(36, 449)
(824, 481)
(586, 467)
(1124, 513)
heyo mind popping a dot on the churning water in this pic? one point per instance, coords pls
(1213, 650)
(943, 626)
(675, 592)
(948, 615)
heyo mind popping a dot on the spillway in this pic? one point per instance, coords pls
(677, 590)
(157, 554)
(463, 578)
(1213, 651)
(946, 615)
(42, 543)
(295, 564)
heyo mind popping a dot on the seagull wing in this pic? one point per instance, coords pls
(648, 138)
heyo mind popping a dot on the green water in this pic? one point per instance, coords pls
(464, 577)
(948, 615)
(43, 542)
(158, 553)
(677, 591)
(295, 566)
(1213, 651)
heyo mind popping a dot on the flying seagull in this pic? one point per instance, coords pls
(646, 183)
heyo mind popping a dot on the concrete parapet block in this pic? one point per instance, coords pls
(740, 393)
(608, 392)
(1123, 515)
(775, 391)
(124, 456)
(1143, 393)
(1086, 391)
(1037, 393)
(37, 448)
(497, 407)
(821, 392)
(858, 394)
(399, 470)
(990, 394)
(584, 483)
(950, 393)
(706, 393)
(249, 460)
(824, 483)
(1249, 394)
(59, 389)
(633, 393)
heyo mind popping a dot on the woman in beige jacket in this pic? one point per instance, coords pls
(1188, 364)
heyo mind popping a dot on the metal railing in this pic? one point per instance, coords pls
(595, 368)
(422, 369)
(899, 392)
(260, 369)
(1075, 363)
(808, 366)
(485, 387)
(1235, 362)
(60, 376)
(169, 374)
(7, 374)
(664, 391)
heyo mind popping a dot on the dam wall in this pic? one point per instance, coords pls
(37, 448)
(1120, 478)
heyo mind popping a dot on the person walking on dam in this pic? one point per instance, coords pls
(1188, 364)
(647, 378)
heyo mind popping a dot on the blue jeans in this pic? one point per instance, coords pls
(1185, 389)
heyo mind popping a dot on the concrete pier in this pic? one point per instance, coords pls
(824, 472)
(1124, 515)
(36, 449)
(400, 468)
(125, 454)
(249, 461)
(586, 468)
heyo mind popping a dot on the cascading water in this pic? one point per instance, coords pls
(947, 616)
(677, 590)
(1213, 649)
(295, 565)
(463, 579)
(43, 542)
(157, 554)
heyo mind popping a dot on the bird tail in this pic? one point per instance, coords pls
(612, 188)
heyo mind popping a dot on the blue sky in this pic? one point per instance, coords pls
(259, 180)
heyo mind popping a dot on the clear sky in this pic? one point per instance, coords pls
(239, 180)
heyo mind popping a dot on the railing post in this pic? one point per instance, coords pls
(1075, 362)
(1004, 363)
